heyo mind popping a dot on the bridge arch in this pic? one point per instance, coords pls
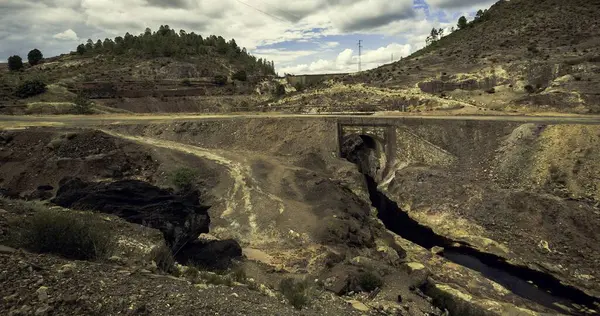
(371, 147)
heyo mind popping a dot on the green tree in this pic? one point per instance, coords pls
(89, 45)
(462, 23)
(479, 16)
(98, 45)
(81, 49)
(15, 63)
(35, 56)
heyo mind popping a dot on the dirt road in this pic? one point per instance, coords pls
(7, 121)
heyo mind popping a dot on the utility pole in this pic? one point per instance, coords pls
(359, 55)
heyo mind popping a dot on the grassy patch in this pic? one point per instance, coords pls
(163, 257)
(74, 236)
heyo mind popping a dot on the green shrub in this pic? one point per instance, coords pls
(239, 274)
(163, 257)
(299, 86)
(30, 88)
(220, 80)
(240, 75)
(192, 274)
(369, 281)
(183, 178)
(216, 279)
(529, 89)
(82, 105)
(279, 90)
(295, 292)
(73, 236)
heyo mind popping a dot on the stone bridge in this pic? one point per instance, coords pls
(383, 134)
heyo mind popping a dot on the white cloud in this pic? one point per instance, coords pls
(68, 35)
(461, 4)
(347, 60)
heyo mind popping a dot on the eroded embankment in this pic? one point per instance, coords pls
(542, 288)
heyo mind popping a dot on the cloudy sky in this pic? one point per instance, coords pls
(301, 36)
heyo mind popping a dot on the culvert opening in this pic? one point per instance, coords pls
(541, 288)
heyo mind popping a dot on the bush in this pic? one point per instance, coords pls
(192, 274)
(240, 75)
(15, 63)
(299, 86)
(529, 88)
(163, 257)
(34, 57)
(30, 88)
(73, 236)
(462, 22)
(369, 281)
(239, 275)
(295, 292)
(279, 90)
(183, 178)
(220, 80)
(82, 105)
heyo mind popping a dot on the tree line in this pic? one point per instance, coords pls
(166, 42)
(437, 34)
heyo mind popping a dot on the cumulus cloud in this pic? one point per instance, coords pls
(68, 35)
(347, 60)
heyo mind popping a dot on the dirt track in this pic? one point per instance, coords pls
(8, 121)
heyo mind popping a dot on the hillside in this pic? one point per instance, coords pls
(520, 56)
(148, 68)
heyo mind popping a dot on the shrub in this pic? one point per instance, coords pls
(163, 257)
(15, 63)
(299, 86)
(186, 82)
(239, 274)
(183, 178)
(529, 88)
(462, 22)
(369, 281)
(279, 90)
(295, 292)
(82, 105)
(220, 80)
(35, 56)
(30, 88)
(240, 75)
(192, 274)
(215, 279)
(73, 236)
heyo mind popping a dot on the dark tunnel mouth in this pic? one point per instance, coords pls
(539, 287)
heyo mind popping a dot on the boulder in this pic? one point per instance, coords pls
(215, 254)
(181, 219)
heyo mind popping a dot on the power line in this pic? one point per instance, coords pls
(281, 11)
(261, 11)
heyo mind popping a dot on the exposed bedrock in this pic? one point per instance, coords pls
(180, 218)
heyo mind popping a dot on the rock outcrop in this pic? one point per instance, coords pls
(181, 219)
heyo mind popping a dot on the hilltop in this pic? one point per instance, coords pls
(518, 55)
(148, 68)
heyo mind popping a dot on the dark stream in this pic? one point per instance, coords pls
(539, 287)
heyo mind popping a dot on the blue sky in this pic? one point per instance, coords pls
(301, 36)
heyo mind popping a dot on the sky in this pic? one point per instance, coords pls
(300, 36)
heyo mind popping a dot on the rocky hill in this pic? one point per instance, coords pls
(148, 68)
(519, 55)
